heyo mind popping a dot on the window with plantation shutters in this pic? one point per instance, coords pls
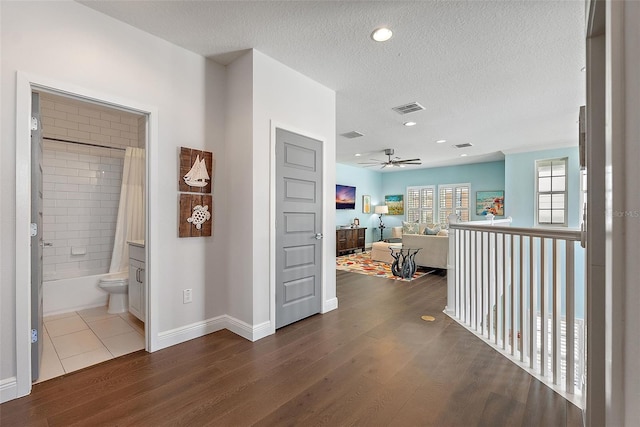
(419, 204)
(551, 189)
(453, 198)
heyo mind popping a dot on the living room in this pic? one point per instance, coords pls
(515, 175)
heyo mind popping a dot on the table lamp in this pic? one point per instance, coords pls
(381, 210)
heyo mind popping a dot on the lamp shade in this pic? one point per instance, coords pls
(384, 209)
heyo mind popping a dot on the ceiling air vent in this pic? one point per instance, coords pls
(408, 108)
(352, 134)
(465, 145)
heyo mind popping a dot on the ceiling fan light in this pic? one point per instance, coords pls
(381, 34)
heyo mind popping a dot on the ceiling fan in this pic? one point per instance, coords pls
(391, 163)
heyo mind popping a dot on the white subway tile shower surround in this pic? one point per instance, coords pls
(81, 194)
(81, 184)
(73, 120)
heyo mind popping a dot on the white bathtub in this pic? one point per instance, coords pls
(64, 295)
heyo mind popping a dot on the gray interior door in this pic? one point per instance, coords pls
(36, 240)
(298, 227)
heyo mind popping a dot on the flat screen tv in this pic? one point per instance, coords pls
(345, 197)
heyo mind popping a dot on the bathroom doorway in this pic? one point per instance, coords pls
(87, 149)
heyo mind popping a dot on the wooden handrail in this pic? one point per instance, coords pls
(546, 233)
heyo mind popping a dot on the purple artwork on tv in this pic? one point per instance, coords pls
(345, 197)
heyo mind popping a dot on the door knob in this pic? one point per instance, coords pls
(319, 236)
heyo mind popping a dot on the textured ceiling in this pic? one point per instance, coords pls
(504, 76)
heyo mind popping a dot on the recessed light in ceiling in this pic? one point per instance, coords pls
(409, 123)
(441, 141)
(463, 155)
(381, 34)
(358, 154)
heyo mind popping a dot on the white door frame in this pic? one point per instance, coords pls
(595, 400)
(25, 84)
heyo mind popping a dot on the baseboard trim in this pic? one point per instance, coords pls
(246, 331)
(8, 389)
(329, 305)
(200, 329)
(189, 332)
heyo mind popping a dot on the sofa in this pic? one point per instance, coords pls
(433, 241)
(434, 250)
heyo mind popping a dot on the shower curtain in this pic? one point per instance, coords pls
(130, 224)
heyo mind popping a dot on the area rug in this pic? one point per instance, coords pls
(363, 264)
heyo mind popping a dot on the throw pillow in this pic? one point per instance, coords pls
(409, 227)
(443, 233)
(432, 231)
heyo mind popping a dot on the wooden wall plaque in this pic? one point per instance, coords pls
(196, 171)
(196, 215)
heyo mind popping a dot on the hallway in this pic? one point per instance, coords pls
(373, 361)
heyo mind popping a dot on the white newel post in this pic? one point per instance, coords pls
(450, 309)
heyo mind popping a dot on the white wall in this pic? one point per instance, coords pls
(240, 137)
(262, 93)
(67, 42)
(623, 213)
(632, 223)
(289, 99)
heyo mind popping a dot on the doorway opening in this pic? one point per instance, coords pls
(93, 208)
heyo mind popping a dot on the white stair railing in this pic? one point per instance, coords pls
(504, 281)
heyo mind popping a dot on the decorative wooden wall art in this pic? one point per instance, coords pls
(196, 218)
(196, 203)
(196, 171)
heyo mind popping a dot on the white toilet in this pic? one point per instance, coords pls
(117, 284)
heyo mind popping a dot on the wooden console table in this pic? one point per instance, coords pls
(349, 239)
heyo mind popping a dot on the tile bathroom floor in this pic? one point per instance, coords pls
(79, 339)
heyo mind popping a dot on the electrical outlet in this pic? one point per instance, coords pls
(187, 296)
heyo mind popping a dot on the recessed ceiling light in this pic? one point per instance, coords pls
(463, 155)
(441, 141)
(358, 154)
(409, 123)
(381, 34)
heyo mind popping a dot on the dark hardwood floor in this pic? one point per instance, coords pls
(372, 362)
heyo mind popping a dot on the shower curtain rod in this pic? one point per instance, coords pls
(84, 143)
